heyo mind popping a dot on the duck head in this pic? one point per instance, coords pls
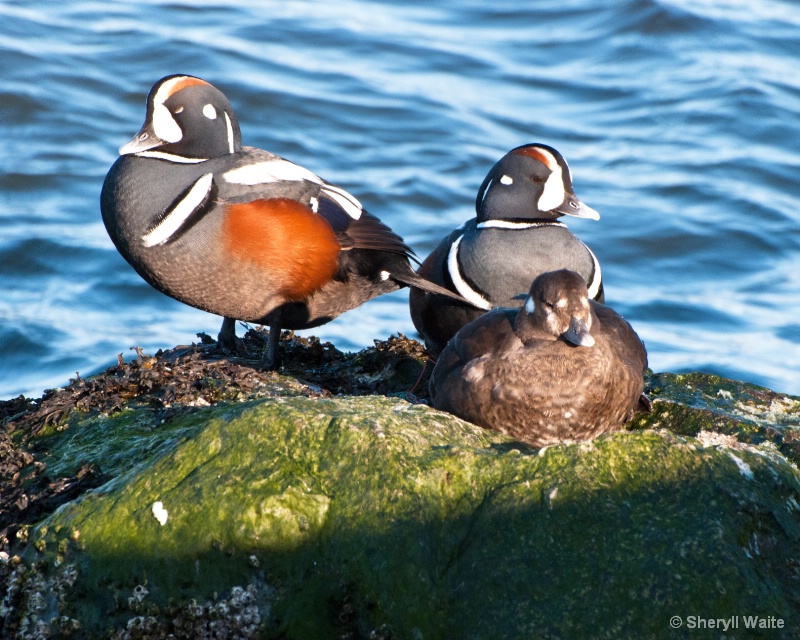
(558, 304)
(531, 182)
(187, 118)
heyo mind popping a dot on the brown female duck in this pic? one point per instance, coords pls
(561, 368)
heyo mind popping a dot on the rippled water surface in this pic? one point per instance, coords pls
(679, 119)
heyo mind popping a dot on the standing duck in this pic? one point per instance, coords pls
(561, 368)
(239, 231)
(492, 258)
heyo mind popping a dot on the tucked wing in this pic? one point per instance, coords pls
(364, 232)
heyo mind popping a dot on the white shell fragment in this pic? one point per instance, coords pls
(160, 513)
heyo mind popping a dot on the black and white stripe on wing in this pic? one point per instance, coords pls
(185, 210)
(464, 288)
(596, 278)
(280, 170)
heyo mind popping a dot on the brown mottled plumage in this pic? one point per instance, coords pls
(561, 368)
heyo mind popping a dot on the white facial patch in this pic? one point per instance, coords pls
(553, 193)
(210, 112)
(529, 305)
(552, 323)
(506, 180)
(384, 275)
(178, 215)
(466, 291)
(279, 170)
(314, 204)
(164, 124)
(563, 302)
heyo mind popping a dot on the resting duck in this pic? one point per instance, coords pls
(560, 369)
(517, 234)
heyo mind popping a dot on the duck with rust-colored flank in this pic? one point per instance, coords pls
(561, 368)
(492, 259)
(238, 231)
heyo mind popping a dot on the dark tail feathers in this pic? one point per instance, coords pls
(413, 279)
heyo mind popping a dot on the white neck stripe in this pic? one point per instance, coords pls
(512, 224)
(169, 157)
(466, 291)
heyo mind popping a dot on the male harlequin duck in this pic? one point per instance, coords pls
(492, 259)
(238, 231)
(561, 368)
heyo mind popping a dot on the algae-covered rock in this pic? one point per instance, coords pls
(358, 515)
(699, 403)
(294, 514)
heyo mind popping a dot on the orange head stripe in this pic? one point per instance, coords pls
(293, 244)
(537, 154)
(182, 83)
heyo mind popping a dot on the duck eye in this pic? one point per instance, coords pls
(178, 110)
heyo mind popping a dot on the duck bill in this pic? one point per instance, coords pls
(574, 207)
(578, 333)
(142, 141)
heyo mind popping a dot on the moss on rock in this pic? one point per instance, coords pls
(695, 403)
(374, 515)
(294, 514)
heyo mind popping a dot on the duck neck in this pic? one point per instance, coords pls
(527, 330)
(516, 223)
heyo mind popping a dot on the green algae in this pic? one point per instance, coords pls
(690, 404)
(111, 442)
(365, 514)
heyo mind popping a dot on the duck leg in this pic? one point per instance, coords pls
(227, 335)
(272, 355)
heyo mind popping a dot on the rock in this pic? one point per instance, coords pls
(295, 514)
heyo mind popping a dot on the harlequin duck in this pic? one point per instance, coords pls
(238, 231)
(492, 259)
(561, 368)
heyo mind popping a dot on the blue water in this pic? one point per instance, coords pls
(679, 119)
